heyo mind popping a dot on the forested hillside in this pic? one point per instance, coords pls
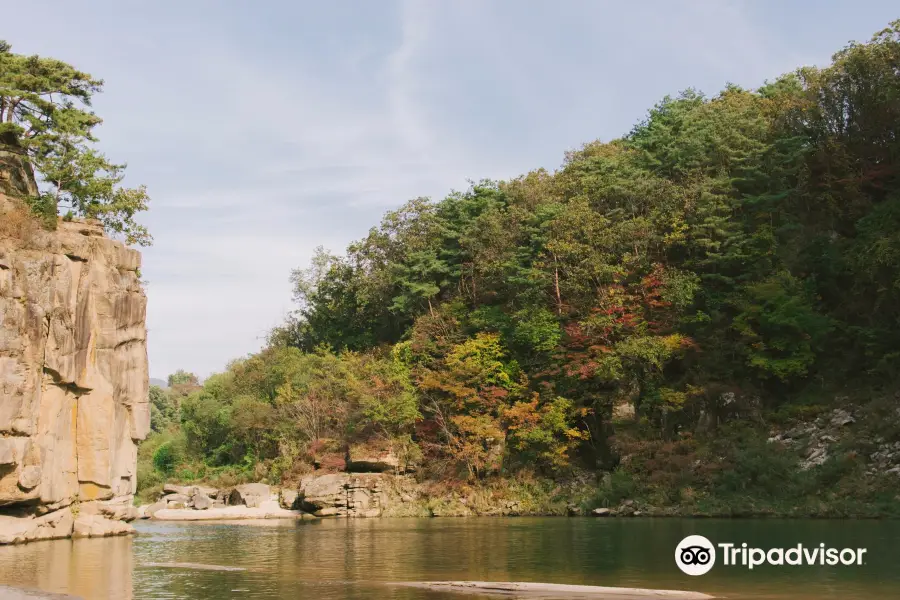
(655, 310)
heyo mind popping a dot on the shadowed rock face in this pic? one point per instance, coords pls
(16, 177)
(73, 368)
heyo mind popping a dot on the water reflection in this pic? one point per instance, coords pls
(90, 568)
(356, 559)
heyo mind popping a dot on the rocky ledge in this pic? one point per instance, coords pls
(92, 519)
(202, 503)
(331, 495)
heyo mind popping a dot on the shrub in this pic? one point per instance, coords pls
(166, 458)
(616, 486)
(17, 223)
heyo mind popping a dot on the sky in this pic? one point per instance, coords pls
(263, 130)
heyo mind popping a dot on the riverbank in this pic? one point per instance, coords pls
(804, 461)
(370, 495)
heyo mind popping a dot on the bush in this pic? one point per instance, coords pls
(166, 458)
(17, 223)
(755, 467)
(616, 486)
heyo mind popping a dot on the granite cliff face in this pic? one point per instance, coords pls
(73, 379)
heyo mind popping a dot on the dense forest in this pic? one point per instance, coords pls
(649, 314)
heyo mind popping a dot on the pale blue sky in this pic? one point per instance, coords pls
(264, 129)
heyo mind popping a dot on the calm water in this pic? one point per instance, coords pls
(356, 559)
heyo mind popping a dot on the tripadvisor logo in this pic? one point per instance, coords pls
(696, 555)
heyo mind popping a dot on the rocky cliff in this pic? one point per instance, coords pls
(73, 378)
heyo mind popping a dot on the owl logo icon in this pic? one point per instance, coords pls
(695, 555)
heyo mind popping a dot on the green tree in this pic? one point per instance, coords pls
(45, 114)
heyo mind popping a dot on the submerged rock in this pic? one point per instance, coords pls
(14, 593)
(552, 590)
(196, 566)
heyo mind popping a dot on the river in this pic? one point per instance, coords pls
(357, 559)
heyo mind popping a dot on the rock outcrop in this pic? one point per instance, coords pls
(73, 373)
(344, 495)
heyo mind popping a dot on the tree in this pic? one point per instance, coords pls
(182, 377)
(164, 409)
(45, 115)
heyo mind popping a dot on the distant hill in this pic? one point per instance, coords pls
(159, 382)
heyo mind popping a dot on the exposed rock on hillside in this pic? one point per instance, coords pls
(73, 372)
(344, 495)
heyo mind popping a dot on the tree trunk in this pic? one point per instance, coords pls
(556, 286)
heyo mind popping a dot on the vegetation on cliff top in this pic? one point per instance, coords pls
(46, 119)
(651, 310)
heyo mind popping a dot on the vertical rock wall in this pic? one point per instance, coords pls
(73, 368)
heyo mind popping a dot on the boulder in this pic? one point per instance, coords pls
(343, 494)
(30, 477)
(600, 512)
(183, 498)
(54, 525)
(98, 526)
(840, 418)
(201, 501)
(290, 499)
(121, 509)
(190, 490)
(209, 492)
(15, 529)
(250, 494)
(176, 504)
(324, 491)
(151, 510)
